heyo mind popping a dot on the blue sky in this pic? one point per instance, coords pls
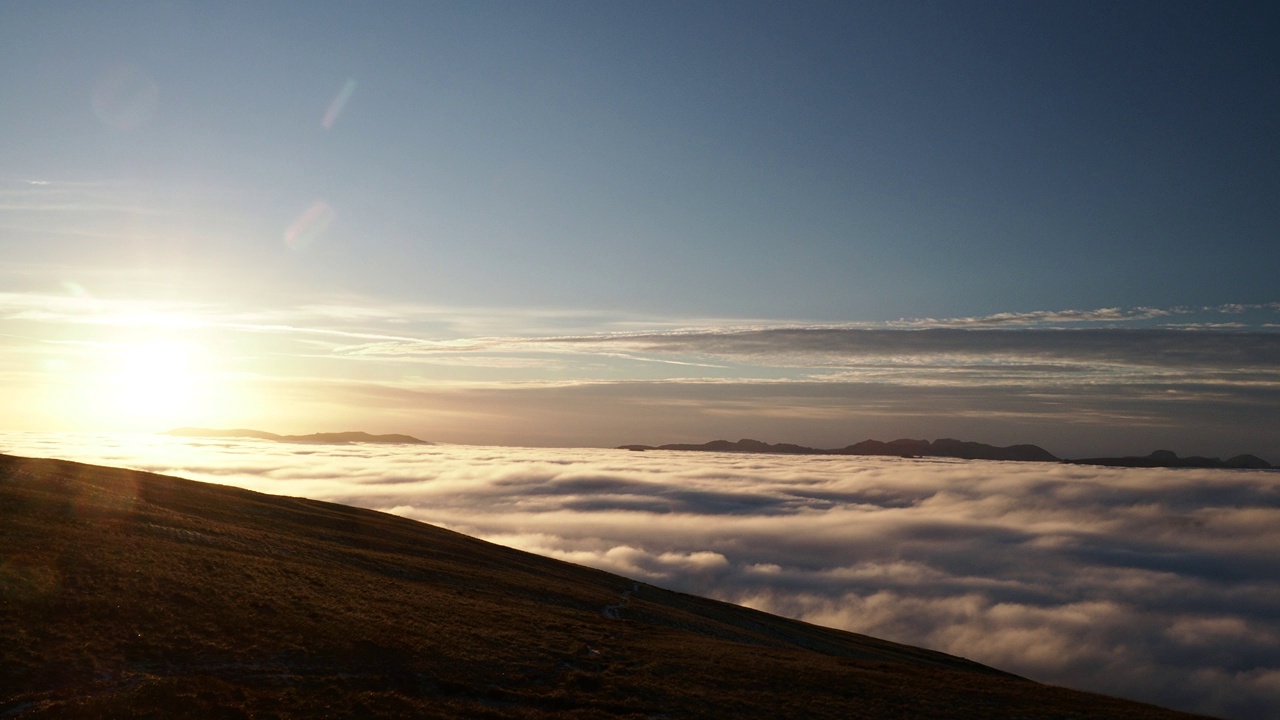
(235, 187)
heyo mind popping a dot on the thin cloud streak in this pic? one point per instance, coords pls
(1109, 315)
(1157, 585)
(1135, 347)
(923, 341)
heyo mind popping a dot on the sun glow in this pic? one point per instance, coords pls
(142, 385)
(153, 379)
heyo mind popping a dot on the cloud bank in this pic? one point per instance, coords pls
(1158, 585)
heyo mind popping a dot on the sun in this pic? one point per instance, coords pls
(135, 383)
(156, 376)
(155, 381)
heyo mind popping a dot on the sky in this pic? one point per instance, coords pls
(1157, 585)
(589, 224)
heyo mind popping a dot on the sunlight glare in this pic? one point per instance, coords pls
(153, 380)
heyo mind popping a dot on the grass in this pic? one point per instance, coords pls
(131, 595)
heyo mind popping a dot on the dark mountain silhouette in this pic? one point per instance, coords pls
(945, 447)
(948, 447)
(126, 594)
(743, 446)
(327, 438)
(1169, 459)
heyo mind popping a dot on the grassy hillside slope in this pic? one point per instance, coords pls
(131, 595)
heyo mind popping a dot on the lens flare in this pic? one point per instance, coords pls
(338, 103)
(309, 225)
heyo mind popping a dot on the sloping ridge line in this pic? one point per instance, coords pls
(120, 585)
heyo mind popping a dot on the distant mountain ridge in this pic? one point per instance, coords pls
(1169, 459)
(967, 450)
(944, 447)
(336, 438)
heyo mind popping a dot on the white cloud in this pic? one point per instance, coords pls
(1151, 584)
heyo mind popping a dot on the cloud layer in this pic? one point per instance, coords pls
(1069, 380)
(1157, 585)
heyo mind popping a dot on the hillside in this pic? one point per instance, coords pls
(126, 594)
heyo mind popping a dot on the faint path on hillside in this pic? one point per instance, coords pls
(611, 611)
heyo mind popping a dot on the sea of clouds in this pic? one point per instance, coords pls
(1153, 584)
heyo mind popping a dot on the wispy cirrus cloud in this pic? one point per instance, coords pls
(817, 346)
(1109, 316)
(602, 381)
(424, 329)
(1043, 317)
(1009, 338)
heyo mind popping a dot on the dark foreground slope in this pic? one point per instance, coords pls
(127, 595)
